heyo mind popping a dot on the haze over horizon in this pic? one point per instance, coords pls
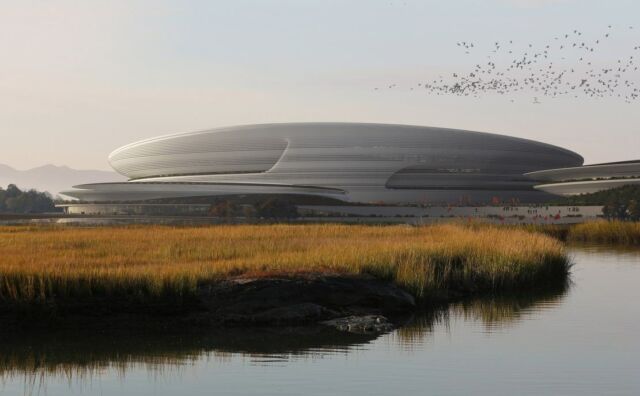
(80, 79)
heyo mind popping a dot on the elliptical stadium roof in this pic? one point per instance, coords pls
(348, 161)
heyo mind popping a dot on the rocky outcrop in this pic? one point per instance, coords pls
(266, 301)
(307, 299)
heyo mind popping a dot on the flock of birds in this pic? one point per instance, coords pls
(568, 65)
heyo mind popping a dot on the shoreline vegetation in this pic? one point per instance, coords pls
(606, 232)
(277, 274)
(58, 271)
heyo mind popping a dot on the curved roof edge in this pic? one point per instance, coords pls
(584, 187)
(168, 189)
(408, 126)
(610, 169)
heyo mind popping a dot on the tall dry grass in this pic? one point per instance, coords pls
(609, 232)
(51, 265)
(605, 232)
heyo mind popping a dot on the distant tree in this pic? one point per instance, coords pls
(614, 210)
(14, 200)
(620, 203)
(12, 191)
(277, 209)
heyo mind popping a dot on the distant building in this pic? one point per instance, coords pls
(350, 162)
(587, 179)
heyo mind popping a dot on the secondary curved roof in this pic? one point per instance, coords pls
(611, 170)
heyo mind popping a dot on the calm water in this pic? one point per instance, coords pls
(580, 341)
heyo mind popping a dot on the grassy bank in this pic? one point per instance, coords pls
(54, 266)
(606, 232)
(597, 232)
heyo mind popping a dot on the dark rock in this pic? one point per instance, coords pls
(295, 301)
(296, 313)
(301, 300)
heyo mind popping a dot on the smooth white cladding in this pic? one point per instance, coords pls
(587, 179)
(146, 191)
(365, 162)
(568, 189)
(589, 172)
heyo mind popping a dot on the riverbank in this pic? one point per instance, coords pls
(606, 232)
(615, 232)
(190, 271)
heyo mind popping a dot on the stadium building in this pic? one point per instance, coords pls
(331, 162)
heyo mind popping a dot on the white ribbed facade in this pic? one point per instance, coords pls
(346, 161)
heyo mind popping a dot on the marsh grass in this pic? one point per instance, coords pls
(606, 232)
(603, 232)
(54, 267)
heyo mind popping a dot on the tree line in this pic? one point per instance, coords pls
(621, 203)
(15, 200)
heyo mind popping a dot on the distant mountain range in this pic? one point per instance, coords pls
(53, 178)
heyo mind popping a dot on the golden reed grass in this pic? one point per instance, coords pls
(609, 232)
(613, 232)
(44, 265)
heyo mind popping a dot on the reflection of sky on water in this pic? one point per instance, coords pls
(583, 341)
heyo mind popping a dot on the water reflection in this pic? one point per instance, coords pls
(80, 353)
(494, 313)
(629, 253)
(78, 356)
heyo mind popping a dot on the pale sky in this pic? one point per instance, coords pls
(81, 78)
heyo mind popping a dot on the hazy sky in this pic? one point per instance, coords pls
(80, 78)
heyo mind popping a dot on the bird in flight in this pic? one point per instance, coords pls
(562, 66)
